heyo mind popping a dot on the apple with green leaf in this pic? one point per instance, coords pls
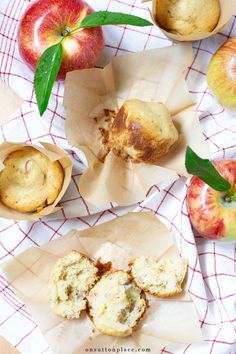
(211, 197)
(47, 22)
(64, 35)
(221, 74)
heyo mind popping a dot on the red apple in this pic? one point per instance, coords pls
(221, 74)
(46, 22)
(212, 213)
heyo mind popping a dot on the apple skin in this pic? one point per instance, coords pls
(42, 26)
(210, 214)
(221, 74)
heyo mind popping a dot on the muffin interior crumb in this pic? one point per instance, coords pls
(71, 279)
(162, 278)
(116, 304)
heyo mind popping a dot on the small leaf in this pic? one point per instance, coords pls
(46, 72)
(102, 18)
(206, 171)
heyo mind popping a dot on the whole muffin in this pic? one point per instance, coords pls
(186, 17)
(29, 180)
(142, 131)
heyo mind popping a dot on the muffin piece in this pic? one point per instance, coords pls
(102, 133)
(70, 281)
(116, 304)
(186, 17)
(29, 180)
(162, 278)
(142, 131)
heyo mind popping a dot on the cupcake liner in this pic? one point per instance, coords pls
(228, 9)
(156, 75)
(54, 153)
(7, 348)
(9, 102)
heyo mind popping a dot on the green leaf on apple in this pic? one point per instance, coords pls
(102, 18)
(205, 170)
(49, 63)
(46, 72)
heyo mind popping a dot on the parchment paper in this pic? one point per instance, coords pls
(6, 347)
(156, 75)
(170, 321)
(9, 102)
(228, 9)
(54, 153)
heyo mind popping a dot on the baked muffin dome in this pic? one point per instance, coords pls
(162, 278)
(116, 304)
(142, 131)
(29, 180)
(71, 278)
(186, 17)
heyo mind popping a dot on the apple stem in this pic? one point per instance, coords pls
(65, 32)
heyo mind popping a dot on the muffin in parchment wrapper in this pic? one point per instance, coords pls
(166, 322)
(53, 153)
(227, 10)
(92, 97)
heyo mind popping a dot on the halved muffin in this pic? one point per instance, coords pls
(162, 278)
(70, 281)
(116, 304)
